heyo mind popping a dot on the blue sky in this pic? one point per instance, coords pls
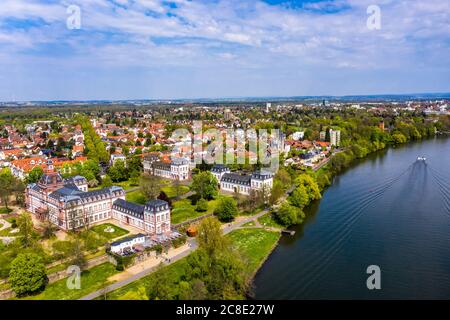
(152, 49)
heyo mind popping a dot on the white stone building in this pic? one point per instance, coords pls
(243, 183)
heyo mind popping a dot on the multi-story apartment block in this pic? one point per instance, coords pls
(335, 137)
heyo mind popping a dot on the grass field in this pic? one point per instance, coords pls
(6, 233)
(183, 209)
(100, 229)
(254, 244)
(268, 221)
(3, 210)
(171, 193)
(91, 280)
(136, 197)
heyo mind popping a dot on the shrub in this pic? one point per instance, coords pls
(226, 209)
(289, 215)
(178, 242)
(202, 205)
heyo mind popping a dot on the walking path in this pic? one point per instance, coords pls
(151, 266)
(132, 274)
(148, 266)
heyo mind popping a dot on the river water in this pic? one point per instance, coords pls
(388, 210)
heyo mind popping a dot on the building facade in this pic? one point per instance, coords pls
(242, 183)
(177, 169)
(335, 137)
(68, 204)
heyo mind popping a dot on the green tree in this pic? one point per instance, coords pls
(276, 192)
(202, 205)
(76, 253)
(226, 209)
(205, 185)
(34, 175)
(399, 138)
(118, 172)
(210, 237)
(288, 215)
(27, 274)
(299, 197)
(311, 186)
(7, 182)
(26, 230)
(150, 186)
(107, 182)
(160, 287)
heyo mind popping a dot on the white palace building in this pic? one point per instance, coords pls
(242, 183)
(68, 204)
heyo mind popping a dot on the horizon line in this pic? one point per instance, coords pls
(444, 94)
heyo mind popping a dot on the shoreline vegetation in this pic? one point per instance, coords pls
(361, 138)
(222, 267)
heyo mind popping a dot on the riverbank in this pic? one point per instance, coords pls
(384, 209)
(253, 244)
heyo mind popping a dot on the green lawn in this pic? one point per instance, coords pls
(268, 221)
(6, 233)
(91, 280)
(125, 184)
(183, 210)
(254, 244)
(170, 190)
(10, 219)
(3, 210)
(136, 197)
(118, 232)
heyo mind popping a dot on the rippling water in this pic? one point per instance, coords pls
(388, 210)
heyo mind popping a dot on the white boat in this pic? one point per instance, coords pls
(421, 158)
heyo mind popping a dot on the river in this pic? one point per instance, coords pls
(388, 210)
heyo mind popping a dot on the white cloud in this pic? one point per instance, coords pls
(249, 34)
